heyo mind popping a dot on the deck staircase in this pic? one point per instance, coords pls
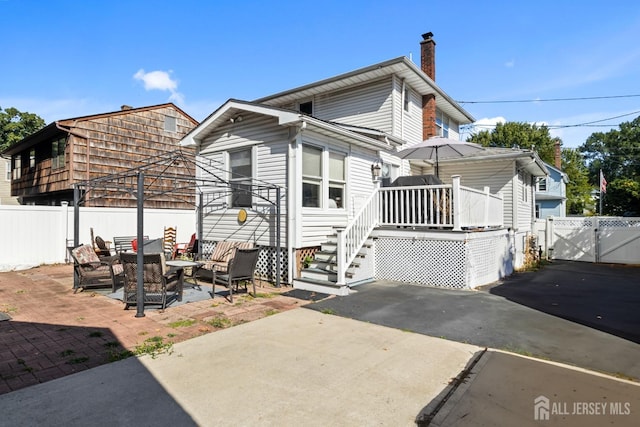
(322, 273)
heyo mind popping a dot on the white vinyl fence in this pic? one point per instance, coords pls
(34, 235)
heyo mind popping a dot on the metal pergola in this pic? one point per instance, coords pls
(163, 167)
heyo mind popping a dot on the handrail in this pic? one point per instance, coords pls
(352, 237)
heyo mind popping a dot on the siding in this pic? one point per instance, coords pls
(270, 155)
(495, 174)
(524, 203)
(5, 185)
(368, 105)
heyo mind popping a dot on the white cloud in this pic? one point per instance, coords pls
(160, 80)
(510, 64)
(487, 123)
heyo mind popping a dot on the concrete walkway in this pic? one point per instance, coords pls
(295, 368)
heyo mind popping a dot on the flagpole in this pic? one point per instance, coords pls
(601, 192)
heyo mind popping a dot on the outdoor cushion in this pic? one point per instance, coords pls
(85, 255)
(222, 253)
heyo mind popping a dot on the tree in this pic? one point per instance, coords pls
(578, 187)
(617, 154)
(518, 134)
(16, 125)
(525, 135)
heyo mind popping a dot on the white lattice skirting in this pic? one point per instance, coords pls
(454, 260)
(266, 267)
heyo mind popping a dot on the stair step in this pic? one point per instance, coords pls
(321, 286)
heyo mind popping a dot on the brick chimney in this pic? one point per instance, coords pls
(428, 55)
(126, 107)
(428, 66)
(557, 155)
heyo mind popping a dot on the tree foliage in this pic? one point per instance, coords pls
(578, 187)
(525, 135)
(518, 134)
(617, 154)
(16, 125)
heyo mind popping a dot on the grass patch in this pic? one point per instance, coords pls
(95, 334)
(182, 323)
(154, 346)
(78, 360)
(67, 352)
(5, 308)
(114, 356)
(21, 291)
(271, 312)
(25, 367)
(328, 311)
(220, 322)
(266, 295)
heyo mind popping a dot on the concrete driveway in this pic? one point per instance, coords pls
(577, 313)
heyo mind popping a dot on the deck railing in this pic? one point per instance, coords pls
(435, 206)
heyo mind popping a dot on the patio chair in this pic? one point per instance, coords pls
(160, 284)
(92, 271)
(241, 269)
(169, 240)
(101, 247)
(186, 249)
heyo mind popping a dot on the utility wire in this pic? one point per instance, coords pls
(584, 98)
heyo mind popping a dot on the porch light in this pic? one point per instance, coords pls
(376, 169)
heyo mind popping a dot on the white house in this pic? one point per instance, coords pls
(321, 147)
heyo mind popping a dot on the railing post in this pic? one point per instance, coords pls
(487, 205)
(456, 202)
(341, 252)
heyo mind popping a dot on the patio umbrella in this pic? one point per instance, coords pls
(437, 148)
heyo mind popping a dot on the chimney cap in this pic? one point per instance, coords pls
(126, 107)
(427, 36)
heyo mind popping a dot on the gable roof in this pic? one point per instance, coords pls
(402, 66)
(562, 175)
(232, 110)
(60, 127)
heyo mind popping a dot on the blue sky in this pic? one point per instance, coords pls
(65, 59)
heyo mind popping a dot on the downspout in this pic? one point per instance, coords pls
(292, 200)
(402, 112)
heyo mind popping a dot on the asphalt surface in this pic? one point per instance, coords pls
(570, 312)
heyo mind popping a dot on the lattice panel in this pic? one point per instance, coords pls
(618, 222)
(486, 257)
(302, 253)
(266, 267)
(573, 222)
(427, 262)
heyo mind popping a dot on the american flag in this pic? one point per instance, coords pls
(603, 182)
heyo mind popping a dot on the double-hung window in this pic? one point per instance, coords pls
(442, 124)
(542, 184)
(311, 177)
(241, 177)
(336, 180)
(7, 165)
(17, 166)
(57, 153)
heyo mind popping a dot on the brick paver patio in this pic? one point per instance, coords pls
(54, 332)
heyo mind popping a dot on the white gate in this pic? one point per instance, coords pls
(594, 239)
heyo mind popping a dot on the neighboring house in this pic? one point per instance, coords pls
(324, 144)
(551, 194)
(46, 164)
(5, 183)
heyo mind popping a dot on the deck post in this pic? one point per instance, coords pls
(456, 202)
(340, 256)
(487, 205)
